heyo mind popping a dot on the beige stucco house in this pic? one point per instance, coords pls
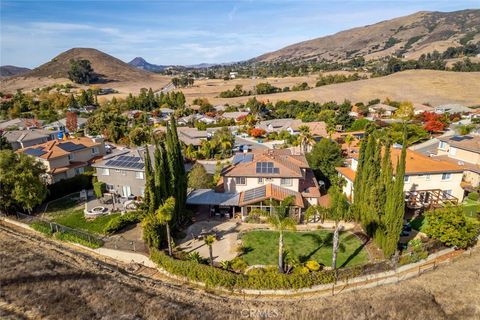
(67, 158)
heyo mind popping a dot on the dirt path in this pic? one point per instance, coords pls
(42, 279)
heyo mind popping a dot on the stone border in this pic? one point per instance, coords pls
(361, 282)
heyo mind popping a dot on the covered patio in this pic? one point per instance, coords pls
(219, 204)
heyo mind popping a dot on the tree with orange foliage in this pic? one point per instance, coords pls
(257, 132)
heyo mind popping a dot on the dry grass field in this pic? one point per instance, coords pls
(419, 86)
(41, 279)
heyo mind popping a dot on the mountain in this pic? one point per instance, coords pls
(407, 36)
(9, 71)
(141, 63)
(109, 69)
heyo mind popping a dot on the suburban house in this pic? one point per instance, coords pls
(381, 110)
(421, 108)
(236, 115)
(66, 158)
(192, 136)
(429, 180)
(61, 125)
(292, 126)
(19, 139)
(20, 124)
(463, 151)
(253, 179)
(123, 172)
(452, 108)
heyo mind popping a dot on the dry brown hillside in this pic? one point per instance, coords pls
(419, 86)
(418, 33)
(108, 67)
(113, 73)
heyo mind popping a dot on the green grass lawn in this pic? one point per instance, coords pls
(314, 245)
(471, 208)
(68, 213)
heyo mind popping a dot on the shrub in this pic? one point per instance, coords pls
(215, 277)
(312, 265)
(43, 227)
(239, 265)
(450, 226)
(93, 243)
(300, 270)
(99, 188)
(120, 222)
(473, 196)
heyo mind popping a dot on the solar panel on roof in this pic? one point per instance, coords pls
(128, 158)
(35, 152)
(69, 146)
(256, 193)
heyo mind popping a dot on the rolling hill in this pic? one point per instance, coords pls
(141, 63)
(410, 35)
(109, 68)
(10, 71)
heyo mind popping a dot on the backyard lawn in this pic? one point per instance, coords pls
(471, 208)
(262, 247)
(67, 212)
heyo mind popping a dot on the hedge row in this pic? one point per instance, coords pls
(215, 277)
(44, 227)
(122, 221)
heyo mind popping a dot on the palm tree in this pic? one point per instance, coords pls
(225, 144)
(330, 132)
(209, 240)
(317, 212)
(339, 211)
(280, 219)
(349, 140)
(164, 216)
(305, 138)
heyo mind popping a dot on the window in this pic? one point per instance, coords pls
(260, 180)
(446, 176)
(105, 172)
(110, 187)
(139, 175)
(79, 170)
(70, 156)
(442, 145)
(447, 192)
(406, 179)
(453, 151)
(286, 181)
(269, 179)
(94, 150)
(240, 180)
(428, 177)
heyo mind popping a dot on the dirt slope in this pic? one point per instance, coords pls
(41, 280)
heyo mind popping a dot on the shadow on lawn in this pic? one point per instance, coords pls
(354, 254)
(321, 241)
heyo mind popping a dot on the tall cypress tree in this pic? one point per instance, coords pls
(149, 192)
(160, 172)
(359, 181)
(395, 206)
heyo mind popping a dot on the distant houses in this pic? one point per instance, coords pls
(19, 139)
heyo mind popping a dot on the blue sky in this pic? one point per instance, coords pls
(184, 32)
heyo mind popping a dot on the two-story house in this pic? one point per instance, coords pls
(123, 172)
(465, 152)
(423, 175)
(19, 139)
(66, 158)
(253, 179)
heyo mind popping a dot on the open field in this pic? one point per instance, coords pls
(316, 245)
(41, 279)
(419, 86)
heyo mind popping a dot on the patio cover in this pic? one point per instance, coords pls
(210, 197)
